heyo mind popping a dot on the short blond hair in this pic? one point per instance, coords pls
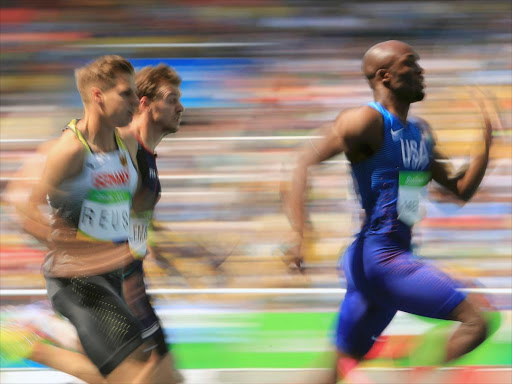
(149, 80)
(102, 73)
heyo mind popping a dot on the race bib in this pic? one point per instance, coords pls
(139, 227)
(105, 216)
(411, 195)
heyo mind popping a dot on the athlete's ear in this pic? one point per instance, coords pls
(144, 103)
(96, 95)
(382, 75)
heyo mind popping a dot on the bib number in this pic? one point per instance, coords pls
(411, 195)
(105, 216)
(139, 227)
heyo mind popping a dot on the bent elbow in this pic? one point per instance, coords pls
(464, 192)
(465, 196)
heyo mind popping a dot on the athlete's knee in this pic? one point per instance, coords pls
(166, 371)
(354, 349)
(350, 356)
(134, 370)
(471, 319)
(479, 327)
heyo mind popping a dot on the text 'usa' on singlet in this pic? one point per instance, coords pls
(391, 183)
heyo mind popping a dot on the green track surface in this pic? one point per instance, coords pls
(221, 340)
(302, 340)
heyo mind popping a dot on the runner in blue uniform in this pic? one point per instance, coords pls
(393, 157)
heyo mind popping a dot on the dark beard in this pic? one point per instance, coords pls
(409, 95)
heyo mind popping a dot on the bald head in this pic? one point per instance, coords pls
(382, 55)
(393, 71)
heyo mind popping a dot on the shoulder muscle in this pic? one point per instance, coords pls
(359, 129)
(65, 159)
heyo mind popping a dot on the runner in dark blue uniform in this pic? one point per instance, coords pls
(144, 202)
(393, 158)
(159, 114)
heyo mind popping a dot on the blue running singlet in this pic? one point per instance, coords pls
(382, 274)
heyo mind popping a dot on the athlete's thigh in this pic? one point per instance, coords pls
(419, 288)
(139, 302)
(107, 329)
(155, 370)
(360, 322)
(134, 291)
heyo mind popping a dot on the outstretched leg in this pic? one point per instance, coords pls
(469, 335)
(422, 289)
(360, 323)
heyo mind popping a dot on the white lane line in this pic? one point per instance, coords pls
(248, 291)
(179, 45)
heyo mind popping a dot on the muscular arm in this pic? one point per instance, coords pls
(464, 183)
(355, 132)
(65, 158)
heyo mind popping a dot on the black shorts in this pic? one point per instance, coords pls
(108, 330)
(138, 301)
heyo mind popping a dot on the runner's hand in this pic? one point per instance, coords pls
(488, 106)
(291, 251)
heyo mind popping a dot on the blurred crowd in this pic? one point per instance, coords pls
(258, 78)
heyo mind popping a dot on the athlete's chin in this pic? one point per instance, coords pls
(418, 96)
(173, 129)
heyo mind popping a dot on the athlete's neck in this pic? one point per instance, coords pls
(98, 133)
(398, 108)
(148, 134)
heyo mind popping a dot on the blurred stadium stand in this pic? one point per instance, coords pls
(258, 76)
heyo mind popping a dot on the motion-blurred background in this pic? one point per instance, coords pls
(258, 77)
